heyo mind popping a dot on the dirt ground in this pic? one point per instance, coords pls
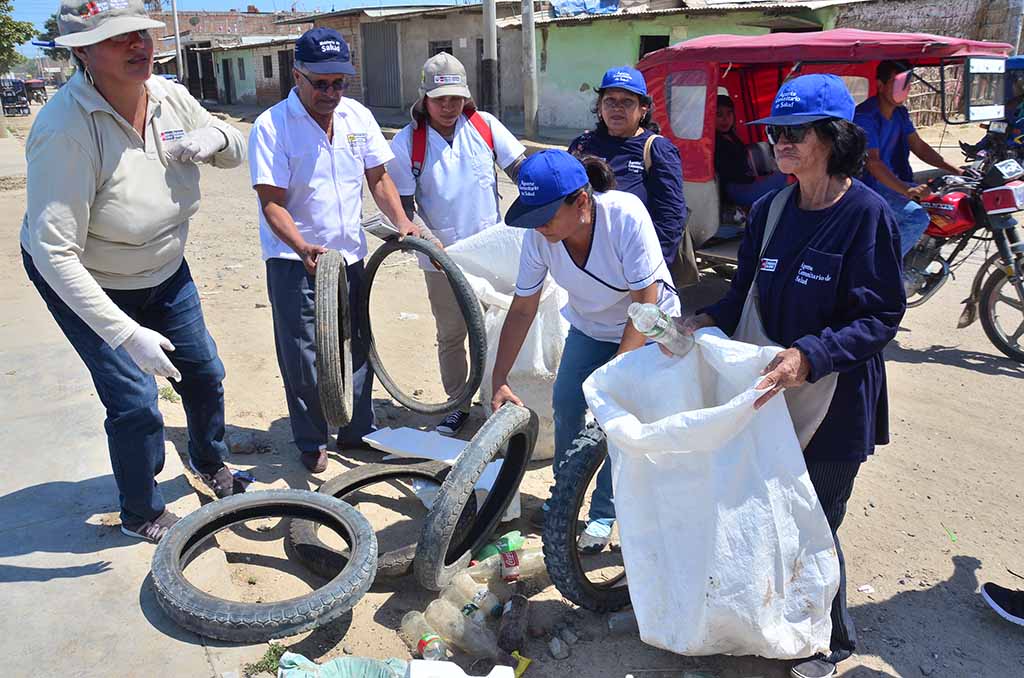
(933, 514)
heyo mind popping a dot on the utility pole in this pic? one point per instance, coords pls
(530, 97)
(177, 44)
(489, 77)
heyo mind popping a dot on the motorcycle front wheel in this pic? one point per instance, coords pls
(1002, 315)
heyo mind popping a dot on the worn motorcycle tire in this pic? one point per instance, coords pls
(561, 526)
(989, 295)
(303, 542)
(442, 552)
(228, 620)
(468, 305)
(333, 339)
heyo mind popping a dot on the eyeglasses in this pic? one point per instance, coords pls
(624, 104)
(339, 85)
(126, 37)
(793, 134)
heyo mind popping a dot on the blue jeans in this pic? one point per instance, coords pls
(292, 294)
(581, 356)
(746, 195)
(911, 219)
(134, 425)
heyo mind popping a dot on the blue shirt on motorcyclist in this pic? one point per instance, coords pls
(890, 137)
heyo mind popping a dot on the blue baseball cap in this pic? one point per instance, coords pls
(624, 77)
(545, 179)
(324, 51)
(810, 98)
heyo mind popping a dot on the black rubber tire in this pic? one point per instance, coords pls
(258, 622)
(471, 312)
(333, 339)
(442, 552)
(986, 308)
(320, 558)
(561, 526)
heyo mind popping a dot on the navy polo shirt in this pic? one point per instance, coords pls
(661, 190)
(829, 284)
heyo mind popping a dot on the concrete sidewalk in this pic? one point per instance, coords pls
(77, 601)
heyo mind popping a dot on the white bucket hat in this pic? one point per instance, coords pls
(86, 23)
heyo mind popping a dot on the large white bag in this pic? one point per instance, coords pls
(490, 261)
(726, 547)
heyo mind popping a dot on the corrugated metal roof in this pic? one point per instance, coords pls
(252, 42)
(693, 8)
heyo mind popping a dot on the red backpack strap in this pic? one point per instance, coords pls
(419, 148)
(483, 128)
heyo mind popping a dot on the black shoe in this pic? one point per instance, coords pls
(1007, 603)
(813, 668)
(453, 423)
(315, 462)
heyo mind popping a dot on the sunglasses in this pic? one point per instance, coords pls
(339, 85)
(793, 134)
(125, 37)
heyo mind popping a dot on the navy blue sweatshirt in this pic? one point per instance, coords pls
(829, 284)
(661, 190)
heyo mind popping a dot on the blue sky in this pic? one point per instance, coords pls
(37, 11)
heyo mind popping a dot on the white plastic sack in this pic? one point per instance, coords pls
(726, 547)
(490, 261)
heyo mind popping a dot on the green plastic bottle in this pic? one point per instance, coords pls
(513, 541)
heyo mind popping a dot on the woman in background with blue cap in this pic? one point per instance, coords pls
(601, 247)
(645, 163)
(819, 274)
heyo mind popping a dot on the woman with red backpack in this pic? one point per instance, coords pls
(444, 169)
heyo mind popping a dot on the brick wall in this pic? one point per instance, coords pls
(268, 89)
(228, 23)
(348, 26)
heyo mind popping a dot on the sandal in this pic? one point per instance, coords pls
(151, 530)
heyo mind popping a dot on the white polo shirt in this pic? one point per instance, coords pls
(624, 255)
(323, 180)
(457, 194)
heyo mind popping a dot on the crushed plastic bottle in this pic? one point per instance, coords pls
(474, 600)
(653, 323)
(511, 541)
(420, 637)
(621, 623)
(461, 631)
(510, 567)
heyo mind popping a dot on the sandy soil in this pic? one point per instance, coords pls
(953, 469)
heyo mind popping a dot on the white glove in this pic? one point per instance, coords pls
(198, 145)
(146, 348)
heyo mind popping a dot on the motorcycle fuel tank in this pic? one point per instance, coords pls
(950, 214)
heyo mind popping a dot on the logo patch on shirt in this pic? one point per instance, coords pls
(769, 265)
(806, 273)
(636, 166)
(356, 140)
(172, 134)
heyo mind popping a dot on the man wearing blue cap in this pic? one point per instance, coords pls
(818, 274)
(308, 156)
(601, 247)
(645, 163)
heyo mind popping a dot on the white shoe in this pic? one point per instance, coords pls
(594, 538)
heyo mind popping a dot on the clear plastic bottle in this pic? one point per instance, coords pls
(511, 541)
(510, 567)
(653, 323)
(421, 639)
(474, 600)
(461, 631)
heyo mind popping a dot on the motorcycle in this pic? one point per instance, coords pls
(975, 210)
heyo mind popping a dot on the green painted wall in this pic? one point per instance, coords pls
(245, 88)
(573, 57)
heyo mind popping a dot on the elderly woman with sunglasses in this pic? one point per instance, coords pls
(112, 182)
(819, 275)
(645, 163)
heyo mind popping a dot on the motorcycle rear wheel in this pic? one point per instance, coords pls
(1002, 315)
